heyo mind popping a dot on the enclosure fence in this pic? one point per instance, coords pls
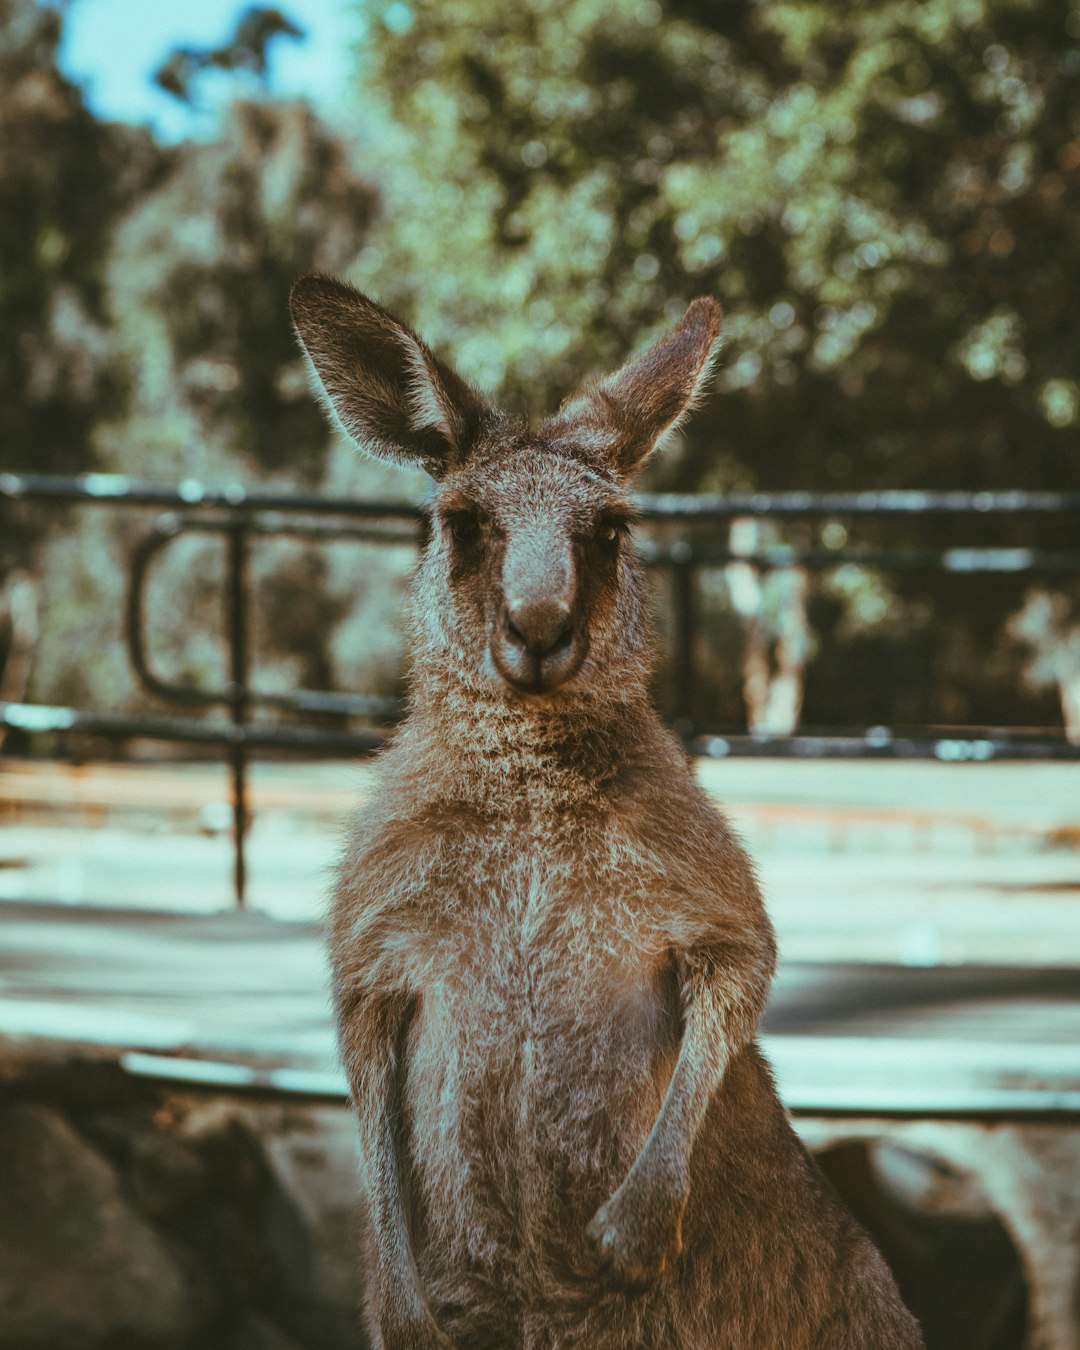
(241, 517)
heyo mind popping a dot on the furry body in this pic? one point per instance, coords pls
(532, 934)
(549, 950)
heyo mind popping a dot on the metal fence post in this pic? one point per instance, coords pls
(685, 611)
(237, 619)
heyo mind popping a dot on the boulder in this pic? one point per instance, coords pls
(80, 1268)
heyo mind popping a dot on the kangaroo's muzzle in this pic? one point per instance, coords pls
(538, 641)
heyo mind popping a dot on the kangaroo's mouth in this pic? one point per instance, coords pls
(531, 673)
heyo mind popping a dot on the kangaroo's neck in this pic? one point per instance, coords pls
(506, 753)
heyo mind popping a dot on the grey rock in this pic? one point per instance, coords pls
(256, 1333)
(79, 1267)
(165, 1175)
(163, 1172)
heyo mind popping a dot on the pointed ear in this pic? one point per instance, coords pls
(626, 416)
(382, 384)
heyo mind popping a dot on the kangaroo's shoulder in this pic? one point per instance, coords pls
(657, 791)
(684, 832)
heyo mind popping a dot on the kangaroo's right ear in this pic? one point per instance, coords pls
(383, 385)
(631, 413)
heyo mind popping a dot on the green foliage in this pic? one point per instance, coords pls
(885, 197)
(65, 181)
(198, 283)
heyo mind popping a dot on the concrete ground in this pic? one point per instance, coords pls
(927, 916)
(913, 863)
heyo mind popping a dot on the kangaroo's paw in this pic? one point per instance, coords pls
(634, 1238)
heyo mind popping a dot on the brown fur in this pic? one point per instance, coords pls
(549, 950)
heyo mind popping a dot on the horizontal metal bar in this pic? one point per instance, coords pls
(706, 505)
(120, 488)
(331, 703)
(276, 524)
(37, 718)
(989, 561)
(374, 531)
(953, 747)
(978, 561)
(683, 553)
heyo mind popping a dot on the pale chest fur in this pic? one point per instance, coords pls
(541, 931)
(544, 1029)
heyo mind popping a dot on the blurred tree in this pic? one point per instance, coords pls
(199, 281)
(65, 180)
(885, 197)
(207, 381)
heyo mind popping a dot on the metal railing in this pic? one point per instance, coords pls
(242, 517)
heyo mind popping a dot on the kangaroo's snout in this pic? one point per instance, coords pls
(540, 626)
(536, 644)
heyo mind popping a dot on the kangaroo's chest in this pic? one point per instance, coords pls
(544, 1035)
(547, 957)
(542, 936)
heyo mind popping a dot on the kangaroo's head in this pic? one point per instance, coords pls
(527, 587)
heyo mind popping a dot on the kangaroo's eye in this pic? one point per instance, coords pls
(608, 533)
(464, 526)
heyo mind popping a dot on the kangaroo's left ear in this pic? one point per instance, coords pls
(383, 384)
(625, 416)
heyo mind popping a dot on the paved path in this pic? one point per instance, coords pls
(245, 989)
(915, 863)
(927, 916)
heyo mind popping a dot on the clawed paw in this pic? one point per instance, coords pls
(631, 1249)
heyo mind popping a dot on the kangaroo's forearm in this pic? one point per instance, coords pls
(723, 992)
(723, 989)
(380, 1159)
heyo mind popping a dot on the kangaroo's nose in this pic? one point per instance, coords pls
(540, 626)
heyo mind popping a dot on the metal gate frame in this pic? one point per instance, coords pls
(242, 516)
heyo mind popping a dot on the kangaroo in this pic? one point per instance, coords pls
(549, 950)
